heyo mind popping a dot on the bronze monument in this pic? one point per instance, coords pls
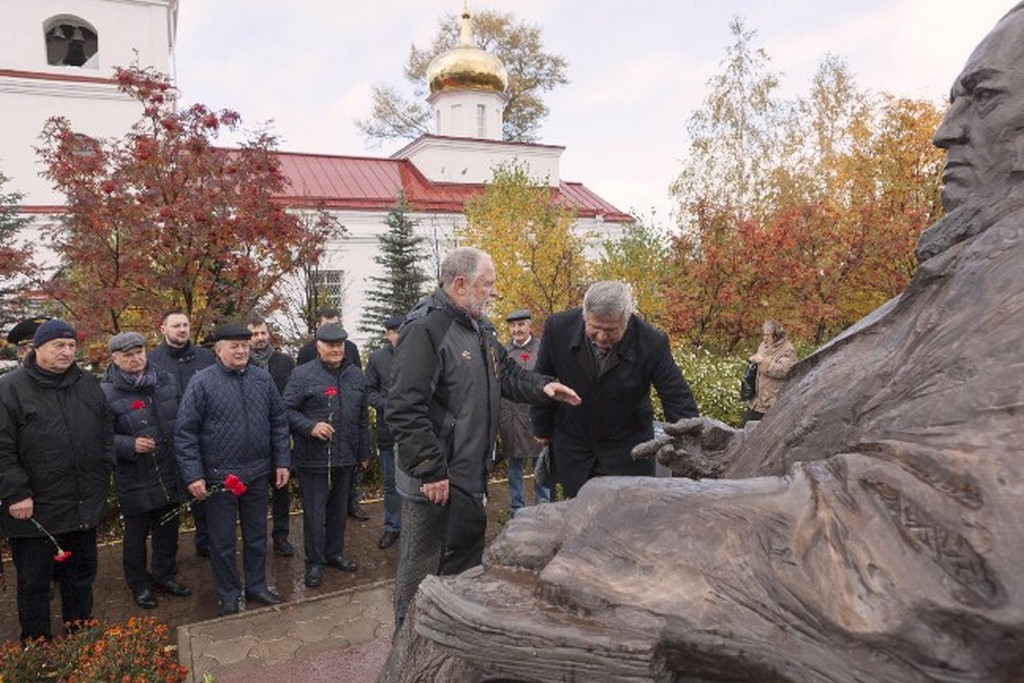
(870, 528)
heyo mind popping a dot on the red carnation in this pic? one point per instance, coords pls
(330, 391)
(138, 404)
(524, 356)
(62, 556)
(234, 484)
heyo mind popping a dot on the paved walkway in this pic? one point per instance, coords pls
(343, 636)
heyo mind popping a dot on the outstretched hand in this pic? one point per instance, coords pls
(560, 392)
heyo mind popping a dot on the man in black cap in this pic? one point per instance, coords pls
(56, 453)
(327, 411)
(21, 335)
(232, 422)
(308, 352)
(378, 381)
(144, 400)
(517, 442)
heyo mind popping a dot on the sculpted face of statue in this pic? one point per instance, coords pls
(983, 131)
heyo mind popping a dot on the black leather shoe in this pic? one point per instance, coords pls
(172, 587)
(227, 608)
(283, 548)
(387, 539)
(357, 512)
(202, 551)
(267, 597)
(314, 575)
(145, 599)
(339, 562)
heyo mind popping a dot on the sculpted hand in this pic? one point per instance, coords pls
(436, 491)
(560, 392)
(21, 510)
(198, 489)
(281, 475)
(322, 431)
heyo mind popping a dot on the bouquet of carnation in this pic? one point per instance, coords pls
(231, 483)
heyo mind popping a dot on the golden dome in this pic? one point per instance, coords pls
(466, 67)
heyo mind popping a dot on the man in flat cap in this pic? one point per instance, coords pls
(56, 453)
(517, 443)
(232, 422)
(378, 382)
(21, 335)
(144, 400)
(327, 411)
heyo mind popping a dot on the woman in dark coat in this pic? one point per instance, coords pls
(329, 418)
(144, 401)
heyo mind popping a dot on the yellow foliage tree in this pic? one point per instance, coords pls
(538, 256)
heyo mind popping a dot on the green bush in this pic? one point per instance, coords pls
(715, 382)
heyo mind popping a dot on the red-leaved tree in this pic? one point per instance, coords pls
(163, 218)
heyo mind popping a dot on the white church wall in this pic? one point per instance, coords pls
(447, 160)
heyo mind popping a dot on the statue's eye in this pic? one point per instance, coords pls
(983, 95)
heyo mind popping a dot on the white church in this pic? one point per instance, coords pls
(58, 57)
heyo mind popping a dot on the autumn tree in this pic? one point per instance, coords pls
(401, 256)
(531, 70)
(162, 217)
(538, 256)
(733, 136)
(15, 255)
(638, 256)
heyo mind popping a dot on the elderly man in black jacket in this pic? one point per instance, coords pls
(56, 453)
(327, 410)
(144, 401)
(232, 422)
(612, 358)
(448, 377)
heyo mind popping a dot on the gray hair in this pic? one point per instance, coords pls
(462, 262)
(775, 329)
(609, 300)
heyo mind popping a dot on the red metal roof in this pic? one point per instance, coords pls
(369, 183)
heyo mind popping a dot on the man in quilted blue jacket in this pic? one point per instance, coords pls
(232, 422)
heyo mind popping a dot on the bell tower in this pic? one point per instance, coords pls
(58, 59)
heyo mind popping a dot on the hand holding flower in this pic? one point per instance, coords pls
(22, 509)
(322, 431)
(197, 489)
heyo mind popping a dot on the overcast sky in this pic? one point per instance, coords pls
(637, 69)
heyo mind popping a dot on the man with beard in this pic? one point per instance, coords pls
(449, 374)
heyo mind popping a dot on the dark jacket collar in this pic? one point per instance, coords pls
(47, 379)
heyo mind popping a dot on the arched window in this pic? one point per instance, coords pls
(71, 41)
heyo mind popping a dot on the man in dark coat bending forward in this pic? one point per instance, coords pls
(612, 358)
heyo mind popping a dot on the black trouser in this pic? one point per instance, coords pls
(355, 490)
(165, 548)
(324, 512)
(33, 559)
(223, 509)
(280, 508)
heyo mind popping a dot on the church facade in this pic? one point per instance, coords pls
(61, 64)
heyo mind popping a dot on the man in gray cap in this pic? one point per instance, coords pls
(517, 442)
(56, 453)
(378, 382)
(144, 400)
(232, 422)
